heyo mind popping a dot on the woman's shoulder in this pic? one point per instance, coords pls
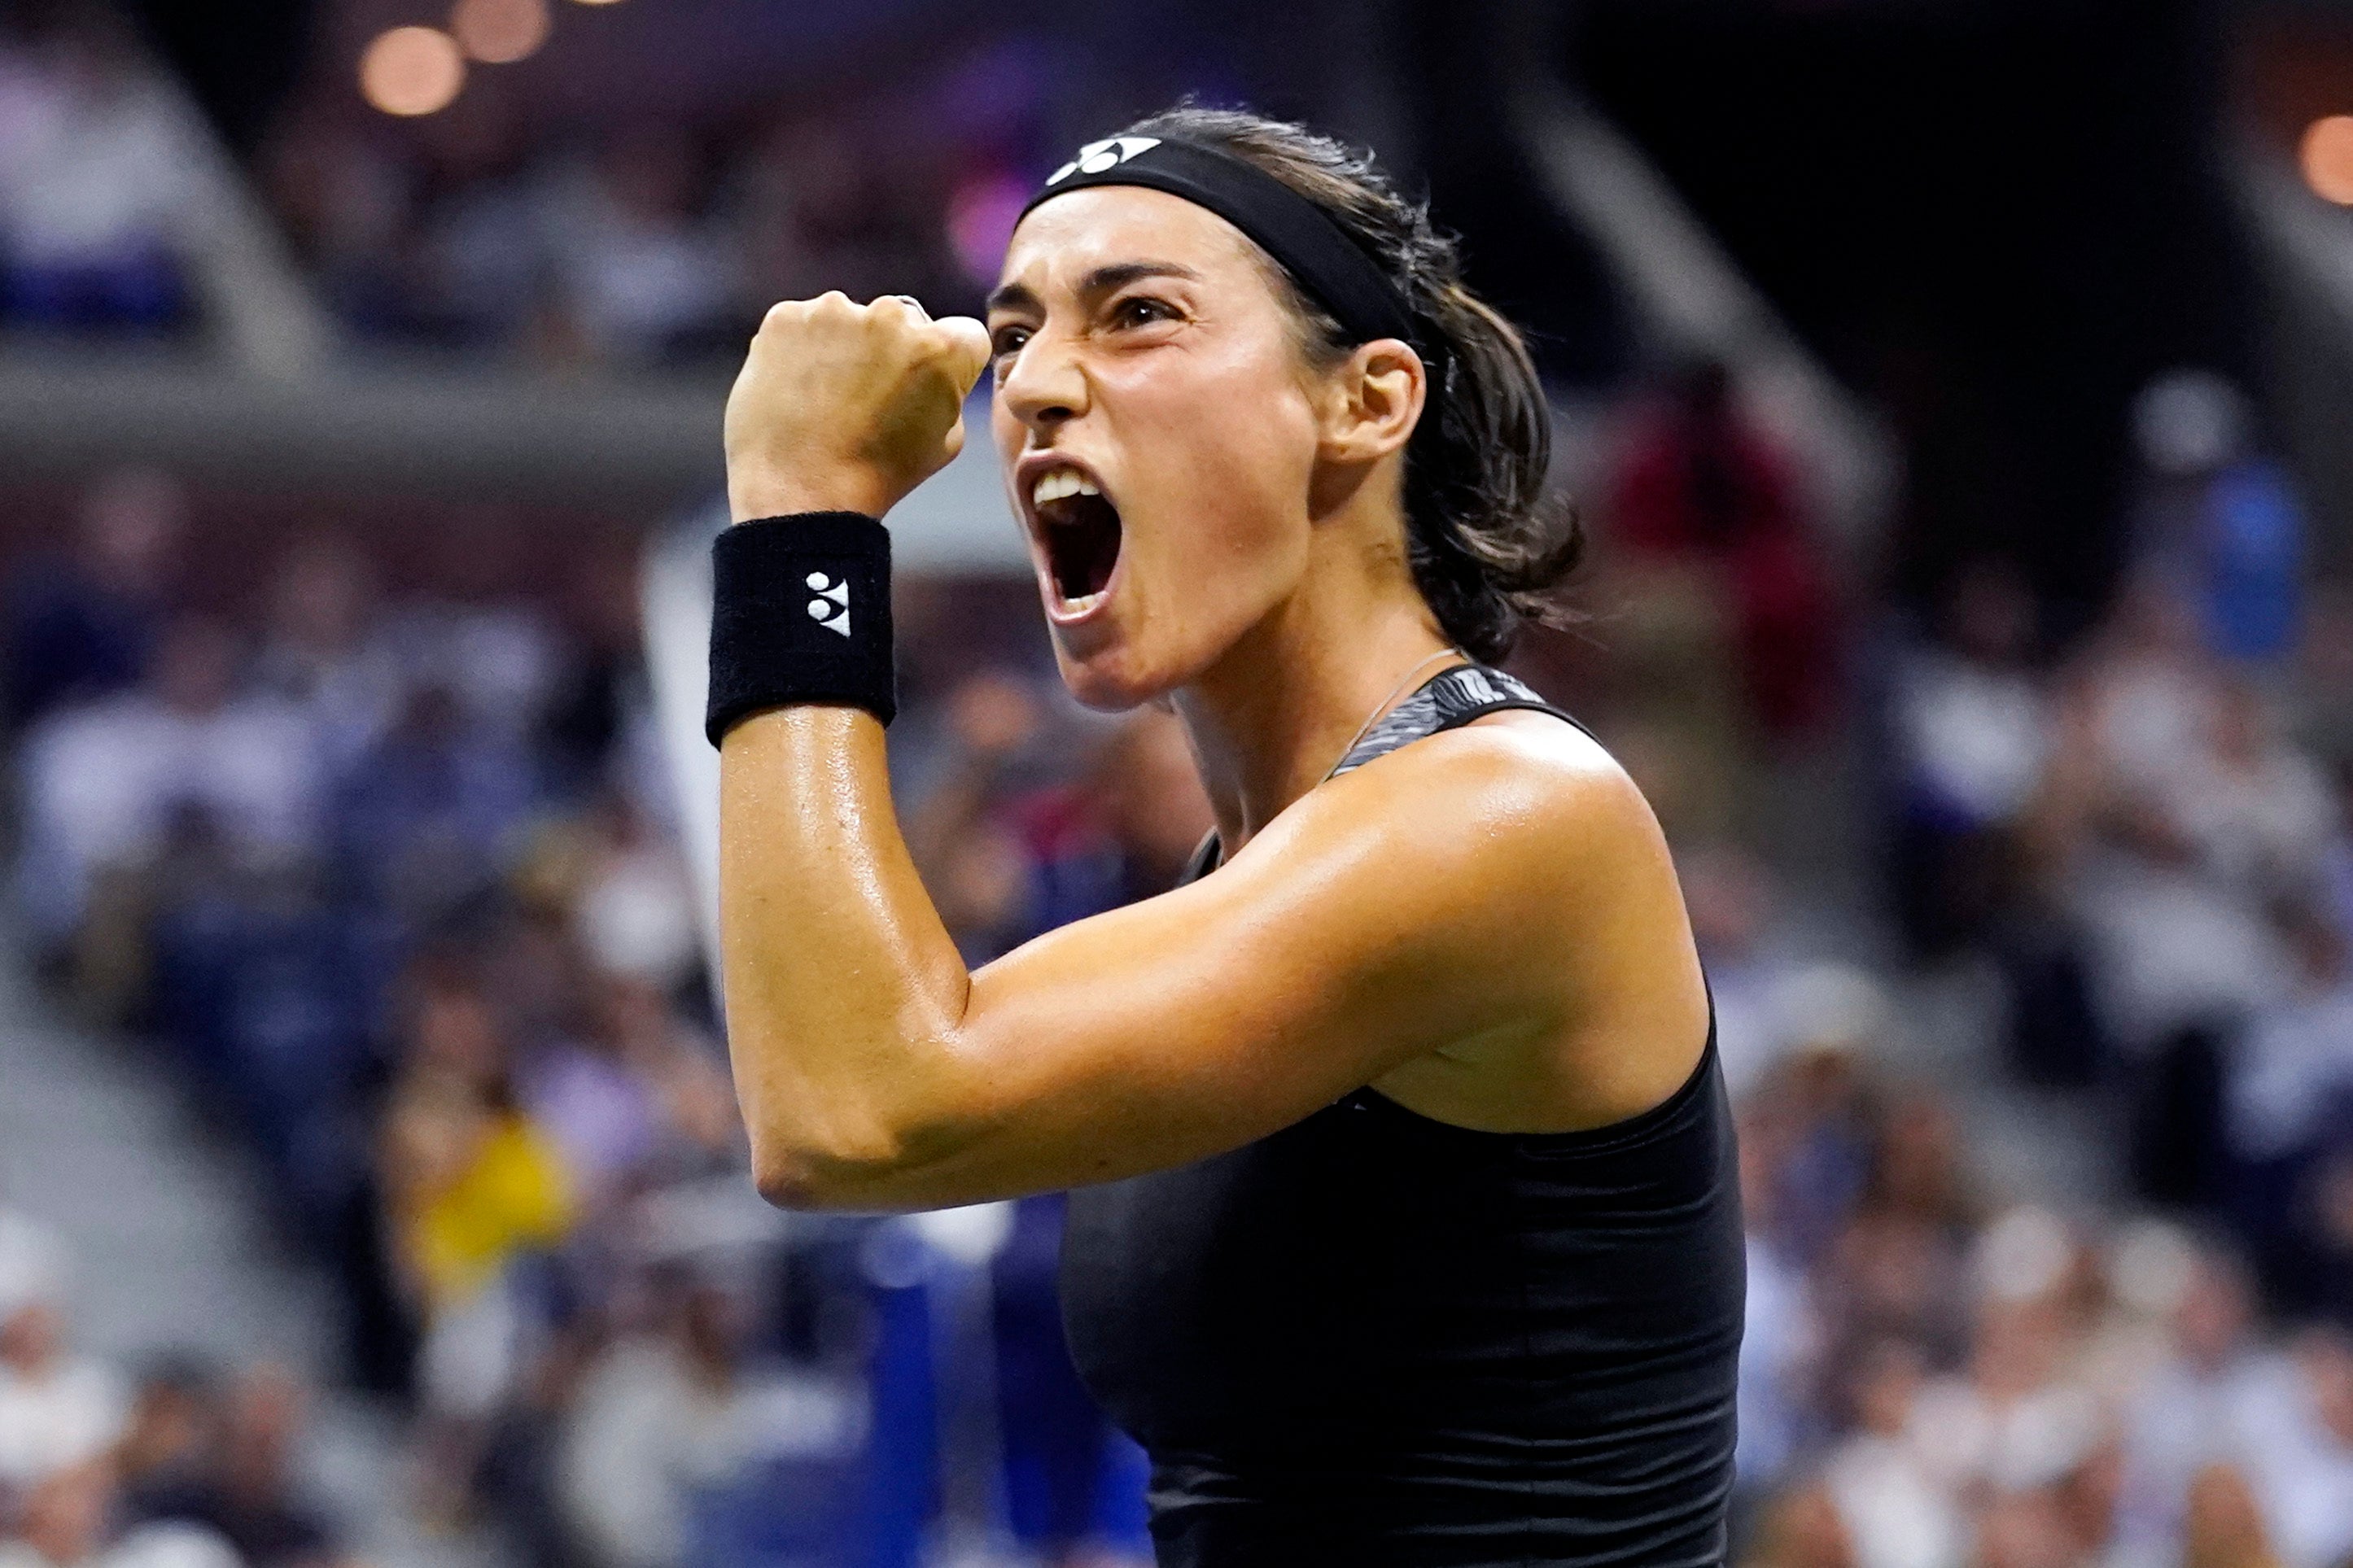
(1521, 773)
(1511, 813)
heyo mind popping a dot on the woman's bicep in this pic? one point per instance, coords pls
(1189, 1024)
(1171, 1028)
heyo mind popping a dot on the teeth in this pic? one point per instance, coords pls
(1057, 483)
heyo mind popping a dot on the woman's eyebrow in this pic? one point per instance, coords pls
(1010, 297)
(1102, 280)
(1110, 279)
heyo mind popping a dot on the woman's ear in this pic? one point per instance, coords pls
(1378, 397)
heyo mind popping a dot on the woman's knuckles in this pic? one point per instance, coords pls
(836, 390)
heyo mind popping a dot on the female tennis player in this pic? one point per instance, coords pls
(1406, 1230)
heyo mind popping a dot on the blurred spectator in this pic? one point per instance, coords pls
(1782, 1347)
(1900, 1270)
(1973, 725)
(596, 702)
(2288, 1091)
(1700, 483)
(479, 275)
(1895, 1509)
(321, 650)
(171, 1441)
(971, 855)
(669, 1423)
(1731, 900)
(633, 912)
(2256, 811)
(83, 626)
(68, 1521)
(32, 1260)
(2215, 513)
(640, 275)
(599, 1094)
(58, 1409)
(345, 201)
(2296, 1451)
(472, 1186)
(191, 757)
(2322, 679)
(471, 1180)
(2180, 1421)
(2172, 820)
(1801, 1529)
(257, 1506)
(94, 181)
(224, 1461)
(426, 817)
(2014, 1420)
(1127, 830)
(1814, 1114)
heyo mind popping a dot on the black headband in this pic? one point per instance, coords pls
(1333, 269)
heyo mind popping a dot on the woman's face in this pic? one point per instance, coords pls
(1159, 430)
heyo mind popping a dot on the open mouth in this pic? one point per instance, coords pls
(1079, 529)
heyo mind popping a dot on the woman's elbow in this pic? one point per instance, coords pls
(788, 1180)
(808, 1170)
(847, 1151)
(800, 1174)
(793, 1187)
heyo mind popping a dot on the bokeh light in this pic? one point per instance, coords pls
(2327, 158)
(980, 217)
(500, 32)
(412, 70)
(597, 2)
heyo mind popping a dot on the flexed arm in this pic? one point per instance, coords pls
(1460, 895)
(838, 971)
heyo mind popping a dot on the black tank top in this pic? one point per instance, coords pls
(1378, 1341)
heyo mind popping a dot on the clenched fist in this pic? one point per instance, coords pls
(847, 407)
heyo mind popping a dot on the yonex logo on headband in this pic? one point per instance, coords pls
(1334, 269)
(1096, 157)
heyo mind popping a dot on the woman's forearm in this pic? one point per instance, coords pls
(844, 991)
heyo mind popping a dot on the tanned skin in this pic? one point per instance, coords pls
(1484, 926)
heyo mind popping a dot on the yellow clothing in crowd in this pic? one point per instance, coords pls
(515, 1195)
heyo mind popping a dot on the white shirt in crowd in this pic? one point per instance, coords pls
(103, 782)
(71, 1413)
(168, 1543)
(647, 1431)
(2287, 1071)
(1897, 1514)
(1978, 737)
(2300, 1470)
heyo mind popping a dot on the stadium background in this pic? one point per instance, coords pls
(1958, 392)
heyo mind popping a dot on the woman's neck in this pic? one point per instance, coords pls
(1270, 720)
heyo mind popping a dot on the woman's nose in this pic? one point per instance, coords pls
(1043, 385)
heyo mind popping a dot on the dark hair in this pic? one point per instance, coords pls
(1486, 545)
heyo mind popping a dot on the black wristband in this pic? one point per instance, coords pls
(800, 612)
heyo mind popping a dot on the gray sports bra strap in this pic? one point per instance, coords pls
(1447, 701)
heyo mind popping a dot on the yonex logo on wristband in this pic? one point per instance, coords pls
(821, 610)
(1096, 157)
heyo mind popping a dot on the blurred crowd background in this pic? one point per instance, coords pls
(1958, 393)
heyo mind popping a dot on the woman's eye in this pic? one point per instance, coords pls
(1007, 340)
(1141, 311)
